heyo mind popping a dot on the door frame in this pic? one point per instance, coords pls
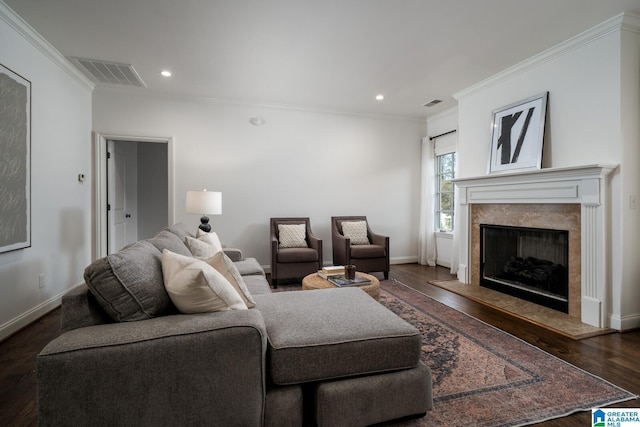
(100, 217)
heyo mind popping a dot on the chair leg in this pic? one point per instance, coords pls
(386, 275)
(274, 282)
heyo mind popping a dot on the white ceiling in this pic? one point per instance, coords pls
(326, 54)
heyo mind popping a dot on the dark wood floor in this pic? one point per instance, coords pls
(614, 357)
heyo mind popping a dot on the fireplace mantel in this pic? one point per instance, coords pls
(585, 185)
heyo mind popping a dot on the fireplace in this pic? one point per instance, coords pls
(529, 263)
(571, 198)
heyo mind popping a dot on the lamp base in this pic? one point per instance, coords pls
(204, 224)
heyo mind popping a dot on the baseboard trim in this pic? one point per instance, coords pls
(625, 323)
(14, 325)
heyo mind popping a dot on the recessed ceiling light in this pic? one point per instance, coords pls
(379, 97)
(166, 73)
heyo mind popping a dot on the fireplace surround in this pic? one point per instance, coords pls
(575, 199)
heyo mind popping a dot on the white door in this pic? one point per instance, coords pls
(121, 163)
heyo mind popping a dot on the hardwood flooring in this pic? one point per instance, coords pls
(18, 370)
(614, 357)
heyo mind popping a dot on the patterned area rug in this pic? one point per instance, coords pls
(483, 376)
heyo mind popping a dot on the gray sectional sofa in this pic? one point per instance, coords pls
(127, 357)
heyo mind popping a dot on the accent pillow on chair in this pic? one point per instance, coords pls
(356, 231)
(196, 287)
(292, 236)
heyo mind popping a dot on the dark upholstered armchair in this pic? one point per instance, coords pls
(356, 244)
(295, 251)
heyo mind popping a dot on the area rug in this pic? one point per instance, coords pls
(483, 376)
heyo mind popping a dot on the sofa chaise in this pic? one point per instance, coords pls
(126, 356)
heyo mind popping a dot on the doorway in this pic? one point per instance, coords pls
(133, 177)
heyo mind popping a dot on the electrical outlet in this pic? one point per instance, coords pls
(41, 281)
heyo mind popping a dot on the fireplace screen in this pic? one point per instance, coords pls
(529, 263)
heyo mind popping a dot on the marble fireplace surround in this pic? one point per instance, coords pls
(573, 199)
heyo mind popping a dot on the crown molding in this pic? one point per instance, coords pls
(624, 21)
(631, 22)
(28, 33)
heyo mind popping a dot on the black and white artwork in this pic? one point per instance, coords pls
(518, 135)
(15, 163)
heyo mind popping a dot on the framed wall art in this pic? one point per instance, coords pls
(15, 161)
(518, 135)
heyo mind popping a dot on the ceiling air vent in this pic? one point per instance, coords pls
(109, 72)
(432, 103)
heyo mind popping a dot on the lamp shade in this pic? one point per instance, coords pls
(204, 202)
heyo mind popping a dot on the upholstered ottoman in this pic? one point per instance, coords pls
(372, 399)
(350, 348)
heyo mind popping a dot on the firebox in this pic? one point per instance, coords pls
(528, 263)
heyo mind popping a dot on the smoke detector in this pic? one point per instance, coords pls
(108, 72)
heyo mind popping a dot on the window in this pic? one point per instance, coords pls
(445, 172)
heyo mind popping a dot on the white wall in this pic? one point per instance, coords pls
(299, 163)
(628, 294)
(60, 205)
(589, 82)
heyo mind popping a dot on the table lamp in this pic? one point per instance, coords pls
(204, 203)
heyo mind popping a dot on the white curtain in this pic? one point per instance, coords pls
(427, 238)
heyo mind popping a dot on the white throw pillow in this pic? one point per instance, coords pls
(204, 245)
(292, 235)
(223, 264)
(196, 287)
(356, 231)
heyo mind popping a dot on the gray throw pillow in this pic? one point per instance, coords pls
(128, 285)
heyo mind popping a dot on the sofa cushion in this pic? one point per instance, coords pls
(368, 251)
(168, 240)
(333, 333)
(128, 285)
(196, 287)
(356, 231)
(297, 255)
(249, 267)
(292, 235)
(225, 266)
(205, 245)
(257, 284)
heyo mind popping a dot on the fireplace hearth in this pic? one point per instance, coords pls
(529, 263)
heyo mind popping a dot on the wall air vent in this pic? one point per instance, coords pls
(432, 103)
(108, 72)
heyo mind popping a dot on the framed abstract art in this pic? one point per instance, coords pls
(15, 161)
(518, 135)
